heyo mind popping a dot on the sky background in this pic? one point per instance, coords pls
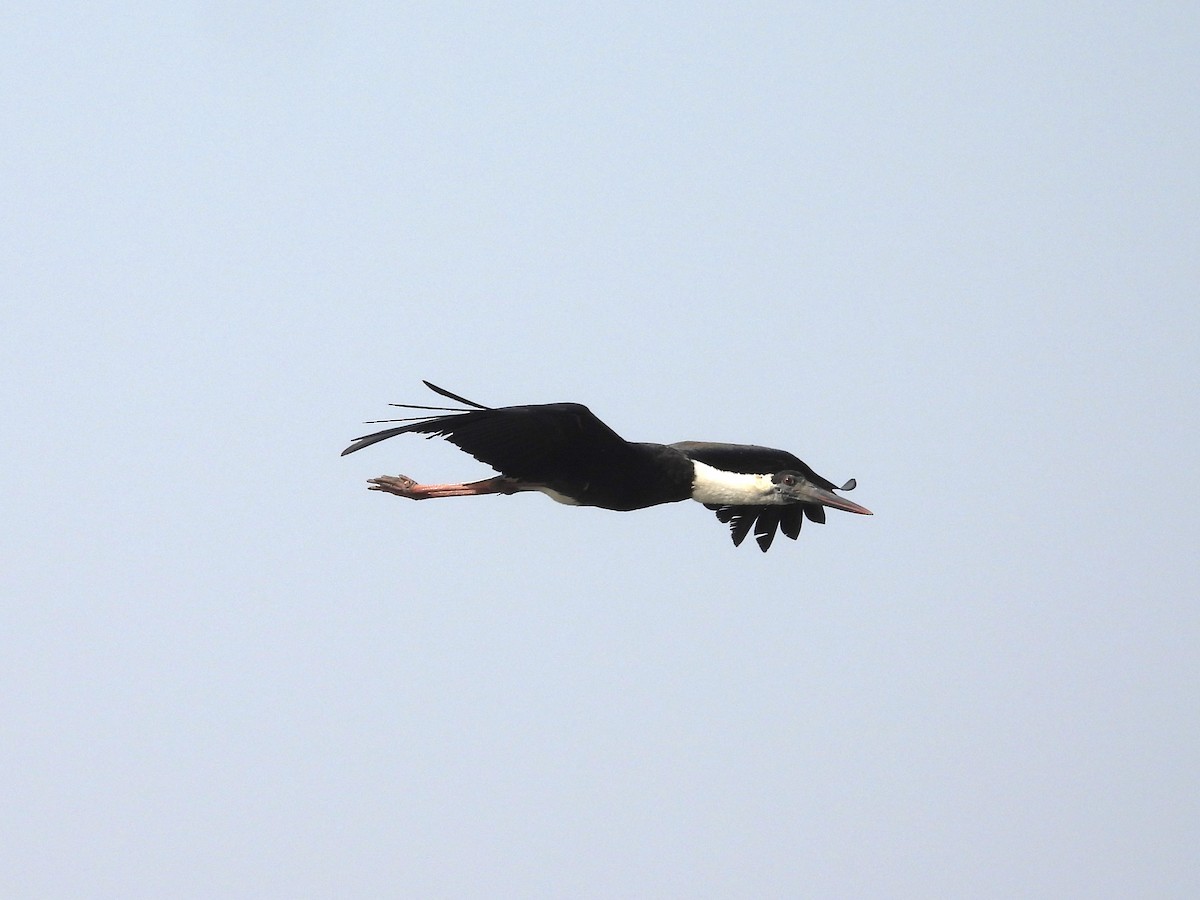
(951, 250)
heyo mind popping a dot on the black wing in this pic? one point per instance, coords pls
(766, 519)
(538, 443)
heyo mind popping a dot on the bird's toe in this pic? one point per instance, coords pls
(400, 485)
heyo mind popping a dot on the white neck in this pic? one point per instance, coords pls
(715, 486)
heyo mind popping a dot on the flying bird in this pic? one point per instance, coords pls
(563, 450)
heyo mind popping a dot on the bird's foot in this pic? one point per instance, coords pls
(400, 485)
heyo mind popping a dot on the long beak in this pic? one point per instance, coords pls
(810, 493)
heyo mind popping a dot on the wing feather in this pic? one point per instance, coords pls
(764, 520)
(790, 521)
(766, 526)
(536, 443)
(531, 443)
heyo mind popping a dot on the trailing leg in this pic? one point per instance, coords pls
(403, 486)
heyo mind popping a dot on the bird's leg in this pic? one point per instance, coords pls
(403, 486)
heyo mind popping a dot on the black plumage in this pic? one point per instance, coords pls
(566, 451)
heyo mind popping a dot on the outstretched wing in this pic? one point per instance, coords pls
(540, 443)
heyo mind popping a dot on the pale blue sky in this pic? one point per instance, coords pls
(949, 250)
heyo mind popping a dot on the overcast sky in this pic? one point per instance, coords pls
(951, 250)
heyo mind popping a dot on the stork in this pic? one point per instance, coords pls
(563, 450)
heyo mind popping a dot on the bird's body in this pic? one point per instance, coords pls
(565, 451)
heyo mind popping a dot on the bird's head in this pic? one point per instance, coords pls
(794, 487)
